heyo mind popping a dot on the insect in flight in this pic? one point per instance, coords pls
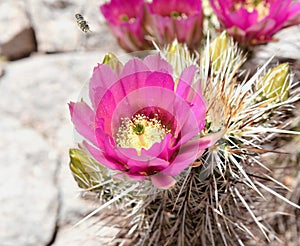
(82, 23)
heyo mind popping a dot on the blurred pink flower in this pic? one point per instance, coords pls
(141, 122)
(175, 19)
(253, 22)
(126, 20)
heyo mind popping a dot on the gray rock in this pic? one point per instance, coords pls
(29, 200)
(92, 233)
(18, 39)
(20, 46)
(56, 28)
(285, 49)
(37, 90)
(40, 201)
(287, 46)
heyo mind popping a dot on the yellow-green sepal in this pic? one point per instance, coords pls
(111, 60)
(85, 170)
(276, 83)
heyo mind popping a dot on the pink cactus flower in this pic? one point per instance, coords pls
(253, 22)
(141, 122)
(175, 19)
(125, 19)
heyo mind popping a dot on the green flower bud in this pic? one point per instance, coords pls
(275, 83)
(217, 48)
(111, 60)
(84, 168)
(178, 56)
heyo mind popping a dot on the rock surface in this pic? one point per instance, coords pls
(57, 17)
(285, 49)
(29, 196)
(49, 26)
(38, 194)
(18, 39)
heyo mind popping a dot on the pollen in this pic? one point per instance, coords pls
(262, 7)
(140, 132)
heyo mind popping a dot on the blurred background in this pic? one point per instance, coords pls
(45, 60)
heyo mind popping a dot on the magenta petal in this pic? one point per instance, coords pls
(191, 95)
(264, 29)
(134, 65)
(189, 30)
(294, 15)
(125, 19)
(162, 28)
(190, 151)
(102, 138)
(103, 77)
(103, 159)
(83, 119)
(165, 27)
(164, 8)
(279, 13)
(114, 11)
(113, 96)
(162, 181)
(160, 79)
(156, 63)
(127, 154)
(130, 36)
(188, 123)
(243, 19)
(107, 144)
(130, 94)
(187, 76)
(116, 8)
(148, 166)
(162, 149)
(212, 138)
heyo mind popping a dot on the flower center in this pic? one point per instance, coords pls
(262, 7)
(140, 132)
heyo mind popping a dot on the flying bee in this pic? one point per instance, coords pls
(82, 23)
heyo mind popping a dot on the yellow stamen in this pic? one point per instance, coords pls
(140, 132)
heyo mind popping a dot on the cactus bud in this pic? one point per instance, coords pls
(217, 48)
(275, 83)
(178, 56)
(81, 165)
(111, 60)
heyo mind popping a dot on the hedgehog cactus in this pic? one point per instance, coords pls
(220, 192)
